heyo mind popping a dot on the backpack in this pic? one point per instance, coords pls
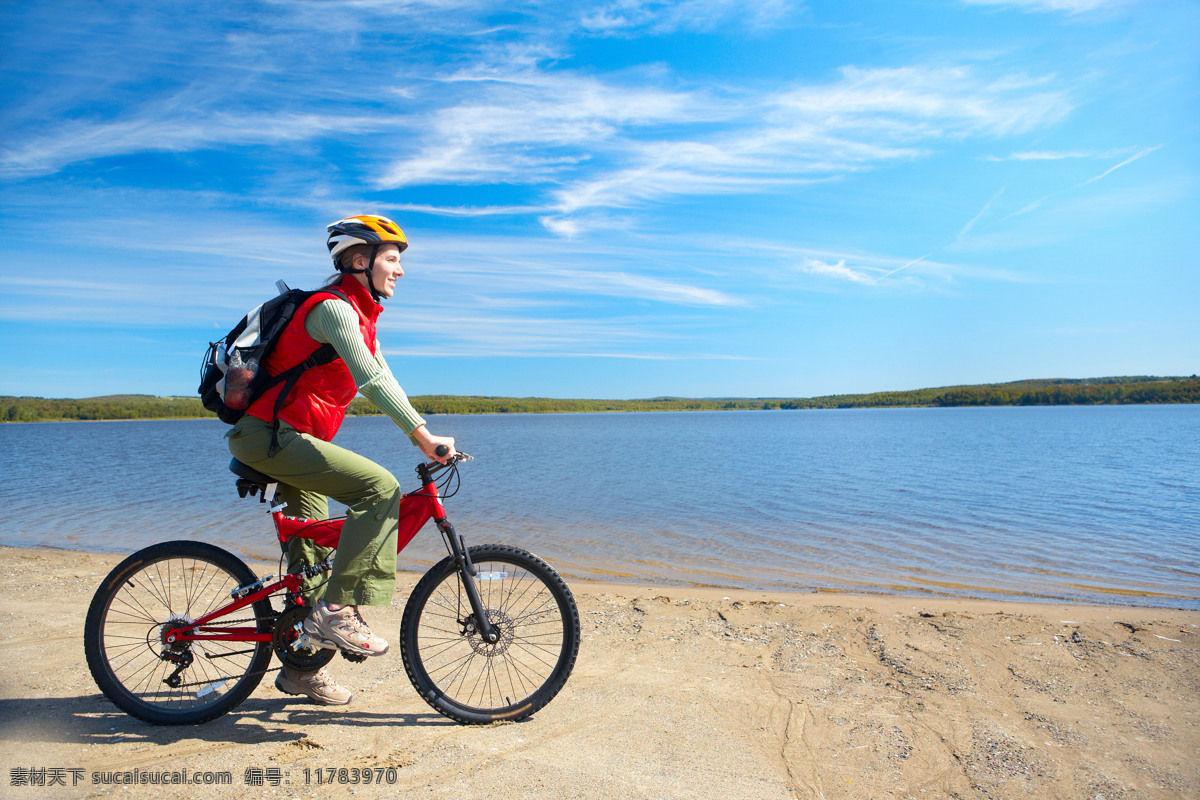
(233, 373)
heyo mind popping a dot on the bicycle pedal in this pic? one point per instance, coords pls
(304, 640)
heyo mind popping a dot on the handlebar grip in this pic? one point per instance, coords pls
(441, 450)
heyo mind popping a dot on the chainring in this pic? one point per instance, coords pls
(306, 659)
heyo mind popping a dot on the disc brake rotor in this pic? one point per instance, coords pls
(502, 624)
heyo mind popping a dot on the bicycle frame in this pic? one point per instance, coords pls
(416, 509)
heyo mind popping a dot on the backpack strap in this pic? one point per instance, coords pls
(322, 355)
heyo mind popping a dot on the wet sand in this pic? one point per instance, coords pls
(677, 693)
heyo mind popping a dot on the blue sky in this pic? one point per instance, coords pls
(612, 199)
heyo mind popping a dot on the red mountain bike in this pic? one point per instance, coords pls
(181, 632)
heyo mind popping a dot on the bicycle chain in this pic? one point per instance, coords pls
(231, 621)
(352, 657)
(355, 658)
(228, 677)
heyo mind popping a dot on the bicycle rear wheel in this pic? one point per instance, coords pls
(469, 680)
(165, 585)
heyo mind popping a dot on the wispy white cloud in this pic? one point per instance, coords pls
(839, 271)
(493, 333)
(1069, 6)
(865, 268)
(463, 211)
(1055, 155)
(149, 267)
(905, 265)
(570, 188)
(566, 228)
(1126, 162)
(535, 267)
(1044, 155)
(914, 103)
(509, 112)
(648, 287)
(529, 126)
(540, 319)
(553, 335)
(534, 276)
(163, 131)
(488, 348)
(871, 275)
(624, 17)
(971, 224)
(611, 145)
(1036, 204)
(657, 180)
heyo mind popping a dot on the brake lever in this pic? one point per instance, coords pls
(437, 466)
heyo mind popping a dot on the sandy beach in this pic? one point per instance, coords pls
(677, 693)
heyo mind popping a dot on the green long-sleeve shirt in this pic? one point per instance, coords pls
(334, 322)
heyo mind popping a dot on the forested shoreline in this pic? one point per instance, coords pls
(1064, 391)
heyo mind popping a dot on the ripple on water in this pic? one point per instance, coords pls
(1094, 504)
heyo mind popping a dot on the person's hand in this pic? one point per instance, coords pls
(429, 444)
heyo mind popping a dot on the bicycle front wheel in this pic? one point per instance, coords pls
(470, 680)
(182, 683)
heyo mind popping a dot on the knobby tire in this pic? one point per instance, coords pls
(122, 634)
(473, 682)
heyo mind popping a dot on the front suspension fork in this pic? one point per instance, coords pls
(467, 572)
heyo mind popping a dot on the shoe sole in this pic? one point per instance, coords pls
(308, 639)
(318, 700)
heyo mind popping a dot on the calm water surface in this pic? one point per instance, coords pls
(1096, 504)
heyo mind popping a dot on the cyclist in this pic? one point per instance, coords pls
(296, 449)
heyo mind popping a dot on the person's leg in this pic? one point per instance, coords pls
(305, 552)
(248, 441)
(364, 568)
(317, 685)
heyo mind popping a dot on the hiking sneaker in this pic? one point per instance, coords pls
(319, 686)
(344, 629)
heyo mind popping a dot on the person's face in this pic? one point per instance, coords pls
(385, 270)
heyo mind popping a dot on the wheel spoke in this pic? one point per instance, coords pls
(170, 586)
(470, 679)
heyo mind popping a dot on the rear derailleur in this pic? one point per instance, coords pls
(182, 659)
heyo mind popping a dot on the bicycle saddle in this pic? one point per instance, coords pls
(250, 480)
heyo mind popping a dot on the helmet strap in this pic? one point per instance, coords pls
(370, 275)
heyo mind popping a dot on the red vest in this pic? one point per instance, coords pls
(318, 402)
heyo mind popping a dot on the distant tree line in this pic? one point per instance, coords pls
(125, 406)
(1054, 392)
(1091, 391)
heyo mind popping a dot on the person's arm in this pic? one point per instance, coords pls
(335, 322)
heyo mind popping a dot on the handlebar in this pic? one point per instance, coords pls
(441, 450)
(426, 471)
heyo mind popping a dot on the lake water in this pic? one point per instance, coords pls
(1096, 504)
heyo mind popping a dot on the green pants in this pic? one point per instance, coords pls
(308, 470)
